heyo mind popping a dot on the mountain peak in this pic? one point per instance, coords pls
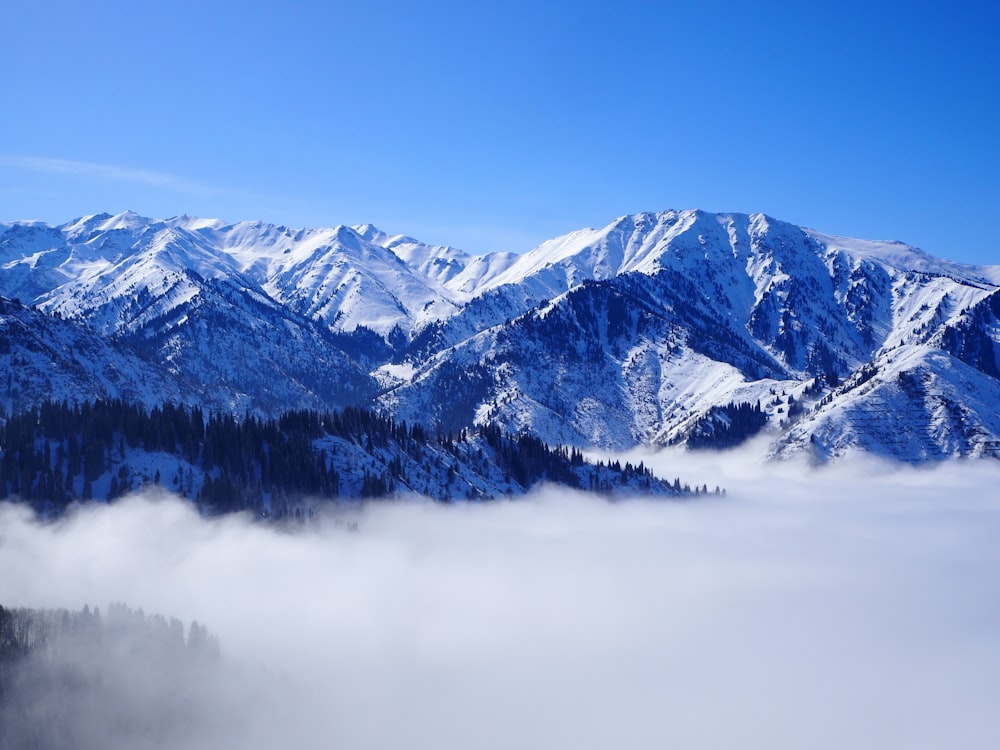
(654, 328)
(125, 220)
(369, 231)
(194, 223)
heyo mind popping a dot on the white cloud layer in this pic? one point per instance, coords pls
(854, 607)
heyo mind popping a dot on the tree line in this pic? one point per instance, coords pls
(59, 452)
(86, 680)
(727, 426)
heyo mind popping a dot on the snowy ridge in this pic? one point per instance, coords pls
(640, 332)
(336, 276)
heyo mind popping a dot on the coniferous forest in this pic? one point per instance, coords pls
(58, 453)
(84, 679)
(727, 426)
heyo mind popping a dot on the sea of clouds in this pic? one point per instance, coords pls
(852, 606)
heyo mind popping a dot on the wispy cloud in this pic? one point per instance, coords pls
(111, 173)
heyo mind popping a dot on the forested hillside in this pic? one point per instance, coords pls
(86, 680)
(58, 453)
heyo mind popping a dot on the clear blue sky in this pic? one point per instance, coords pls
(493, 126)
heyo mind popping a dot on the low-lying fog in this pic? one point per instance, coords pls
(855, 607)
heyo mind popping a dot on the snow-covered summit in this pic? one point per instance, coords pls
(351, 276)
(655, 328)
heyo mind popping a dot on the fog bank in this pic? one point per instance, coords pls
(857, 607)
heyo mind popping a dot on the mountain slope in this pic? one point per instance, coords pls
(697, 311)
(42, 357)
(184, 303)
(56, 454)
(660, 328)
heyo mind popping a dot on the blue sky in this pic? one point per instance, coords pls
(492, 126)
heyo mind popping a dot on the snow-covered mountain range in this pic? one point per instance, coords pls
(673, 327)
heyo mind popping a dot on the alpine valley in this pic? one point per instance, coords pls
(680, 327)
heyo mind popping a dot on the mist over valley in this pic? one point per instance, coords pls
(849, 606)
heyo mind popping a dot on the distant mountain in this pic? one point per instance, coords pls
(165, 290)
(665, 318)
(668, 328)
